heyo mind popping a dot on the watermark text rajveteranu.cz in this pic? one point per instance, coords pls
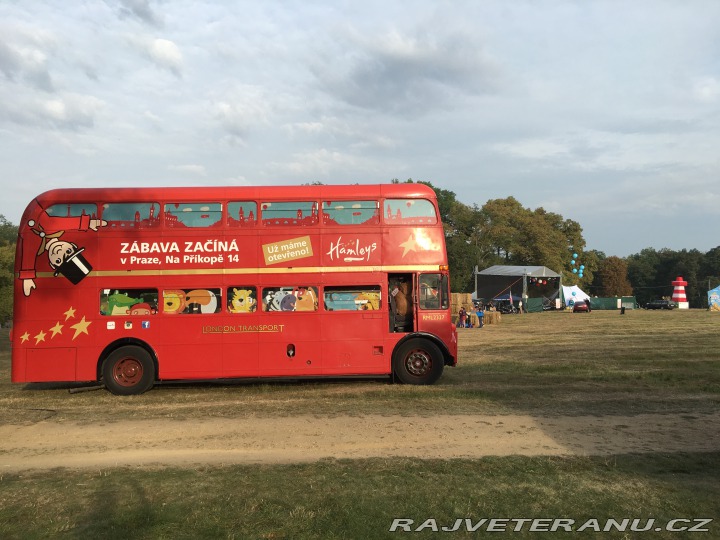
(551, 525)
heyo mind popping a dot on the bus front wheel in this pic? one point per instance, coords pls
(418, 361)
(128, 370)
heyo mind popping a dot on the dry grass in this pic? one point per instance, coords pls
(549, 363)
(544, 363)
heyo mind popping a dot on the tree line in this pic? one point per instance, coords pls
(503, 232)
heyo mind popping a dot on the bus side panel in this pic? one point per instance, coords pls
(191, 348)
(17, 372)
(53, 329)
(289, 344)
(52, 364)
(240, 345)
(353, 343)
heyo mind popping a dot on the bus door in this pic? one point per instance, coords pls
(402, 306)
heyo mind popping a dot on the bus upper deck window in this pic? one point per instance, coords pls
(289, 214)
(410, 212)
(131, 215)
(242, 214)
(72, 210)
(193, 215)
(351, 212)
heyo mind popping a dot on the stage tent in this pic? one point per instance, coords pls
(536, 285)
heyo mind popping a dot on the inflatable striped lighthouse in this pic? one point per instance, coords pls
(679, 293)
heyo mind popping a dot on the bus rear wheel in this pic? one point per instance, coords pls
(128, 370)
(418, 361)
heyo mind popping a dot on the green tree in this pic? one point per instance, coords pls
(7, 279)
(643, 275)
(710, 268)
(8, 231)
(460, 224)
(8, 237)
(502, 231)
(512, 234)
(652, 272)
(613, 273)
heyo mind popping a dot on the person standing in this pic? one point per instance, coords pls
(462, 317)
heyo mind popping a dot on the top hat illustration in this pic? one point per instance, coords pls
(75, 267)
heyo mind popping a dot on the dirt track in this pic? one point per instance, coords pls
(47, 443)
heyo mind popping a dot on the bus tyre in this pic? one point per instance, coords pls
(418, 361)
(128, 370)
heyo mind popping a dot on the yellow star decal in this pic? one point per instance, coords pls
(409, 245)
(57, 329)
(81, 327)
(419, 241)
(69, 314)
(24, 337)
(40, 337)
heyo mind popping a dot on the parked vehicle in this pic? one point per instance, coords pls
(505, 306)
(660, 304)
(581, 306)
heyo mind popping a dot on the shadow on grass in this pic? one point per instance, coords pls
(361, 498)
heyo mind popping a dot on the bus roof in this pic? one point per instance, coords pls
(203, 193)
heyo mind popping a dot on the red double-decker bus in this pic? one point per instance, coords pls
(129, 287)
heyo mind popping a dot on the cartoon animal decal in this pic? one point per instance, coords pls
(281, 299)
(119, 303)
(201, 301)
(340, 301)
(288, 302)
(368, 300)
(142, 308)
(306, 299)
(242, 301)
(173, 301)
(195, 301)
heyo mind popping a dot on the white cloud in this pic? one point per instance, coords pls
(242, 109)
(139, 9)
(24, 56)
(707, 90)
(316, 164)
(410, 73)
(166, 55)
(197, 170)
(67, 111)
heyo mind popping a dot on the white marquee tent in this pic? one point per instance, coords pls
(573, 293)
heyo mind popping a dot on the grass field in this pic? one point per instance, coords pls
(548, 364)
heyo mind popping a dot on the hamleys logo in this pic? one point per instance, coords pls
(351, 250)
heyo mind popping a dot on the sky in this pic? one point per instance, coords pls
(605, 112)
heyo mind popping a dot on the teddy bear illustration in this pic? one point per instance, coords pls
(242, 301)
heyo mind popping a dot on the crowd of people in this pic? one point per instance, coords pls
(464, 319)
